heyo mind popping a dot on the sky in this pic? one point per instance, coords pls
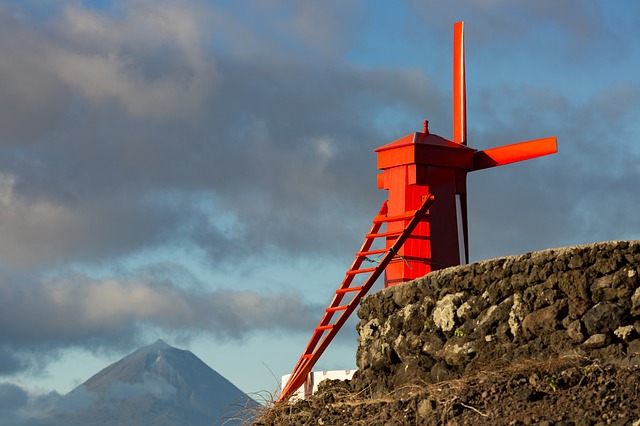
(203, 172)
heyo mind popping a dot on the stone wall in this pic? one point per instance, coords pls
(581, 301)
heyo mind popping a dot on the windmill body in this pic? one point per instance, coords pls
(413, 167)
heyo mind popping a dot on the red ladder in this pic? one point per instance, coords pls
(326, 330)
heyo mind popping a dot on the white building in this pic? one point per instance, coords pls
(314, 378)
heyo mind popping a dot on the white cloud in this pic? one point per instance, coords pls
(151, 61)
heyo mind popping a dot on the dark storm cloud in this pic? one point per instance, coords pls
(18, 407)
(12, 396)
(9, 362)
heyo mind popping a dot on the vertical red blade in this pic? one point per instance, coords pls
(459, 86)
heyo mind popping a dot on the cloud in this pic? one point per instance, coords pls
(41, 232)
(9, 362)
(136, 146)
(18, 407)
(75, 309)
(151, 61)
(30, 90)
(150, 387)
(12, 396)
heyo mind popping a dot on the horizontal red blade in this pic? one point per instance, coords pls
(513, 153)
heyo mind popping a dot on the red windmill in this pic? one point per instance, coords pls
(426, 213)
(420, 164)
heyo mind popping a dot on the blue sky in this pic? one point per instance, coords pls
(203, 172)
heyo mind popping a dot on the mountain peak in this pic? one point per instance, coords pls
(159, 375)
(160, 344)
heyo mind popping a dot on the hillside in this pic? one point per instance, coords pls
(156, 385)
(551, 337)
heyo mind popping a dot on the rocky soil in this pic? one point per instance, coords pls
(557, 392)
(548, 338)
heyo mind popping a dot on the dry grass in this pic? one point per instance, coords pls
(445, 396)
(246, 412)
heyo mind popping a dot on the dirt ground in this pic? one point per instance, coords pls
(566, 391)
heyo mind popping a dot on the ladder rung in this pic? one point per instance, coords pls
(324, 327)
(347, 290)
(336, 308)
(306, 356)
(411, 259)
(381, 218)
(360, 271)
(367, 253)
(385, 234)
(405, 216)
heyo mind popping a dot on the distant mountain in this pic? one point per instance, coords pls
(156, 385)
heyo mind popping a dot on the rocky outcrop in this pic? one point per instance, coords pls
(550, 337)
(582, 300)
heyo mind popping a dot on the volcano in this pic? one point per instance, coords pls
(157, 384)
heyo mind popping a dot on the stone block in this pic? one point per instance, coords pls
(602, 318)
(596, 341)
(543, 320)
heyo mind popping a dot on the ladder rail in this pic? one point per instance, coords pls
(346, 282)
(318, 344)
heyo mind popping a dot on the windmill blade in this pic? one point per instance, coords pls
(459, 86)
(513, 153)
